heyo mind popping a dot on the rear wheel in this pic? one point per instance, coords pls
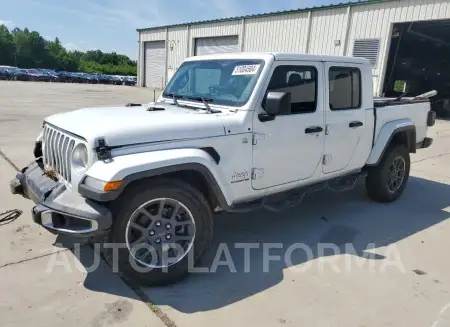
(387, 181)
(164, 227)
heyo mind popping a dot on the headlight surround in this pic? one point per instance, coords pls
(100, 185)
(80, 158)
(94, 183)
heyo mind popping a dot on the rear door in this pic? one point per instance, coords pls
(344, 114)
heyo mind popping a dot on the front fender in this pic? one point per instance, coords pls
(133, 167)
(385, 136)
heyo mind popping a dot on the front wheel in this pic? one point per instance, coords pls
(387, 181)
(164, 227)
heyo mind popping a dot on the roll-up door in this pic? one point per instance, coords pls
(155, 56)
(220, 44)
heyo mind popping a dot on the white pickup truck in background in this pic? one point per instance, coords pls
(230, 132)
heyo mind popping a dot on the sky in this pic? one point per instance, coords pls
(110, 25)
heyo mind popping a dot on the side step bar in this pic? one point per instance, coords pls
(294, 197)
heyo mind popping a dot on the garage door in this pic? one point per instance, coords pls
(155, 57)
(211, 45)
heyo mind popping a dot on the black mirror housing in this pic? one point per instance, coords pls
(278, 103)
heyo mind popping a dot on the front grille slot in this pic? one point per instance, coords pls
(57, 149)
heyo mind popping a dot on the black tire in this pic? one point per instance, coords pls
(138, 194)
(377, 180)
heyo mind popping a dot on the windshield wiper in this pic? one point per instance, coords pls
(174, 97)
(205, 102)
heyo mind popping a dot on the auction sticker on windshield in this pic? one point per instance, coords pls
(245, 70)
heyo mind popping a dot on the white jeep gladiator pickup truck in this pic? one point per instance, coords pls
(230, 132)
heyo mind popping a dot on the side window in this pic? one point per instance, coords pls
(301, 82)
(345, 88)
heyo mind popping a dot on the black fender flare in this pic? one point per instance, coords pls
(102, 196)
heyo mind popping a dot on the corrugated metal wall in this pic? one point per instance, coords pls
(216, 29)
(323, 31)
(177, 45)
(328, 26)
(153, 35)
(277, 33)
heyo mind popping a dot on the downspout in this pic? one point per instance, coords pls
(166, 64)
(139, 65)
(347, 30)
(188, 39)
(242, 37)
(308, 32)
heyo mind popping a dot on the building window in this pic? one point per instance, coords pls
(367, 48)
(345, 88)
(301, 82)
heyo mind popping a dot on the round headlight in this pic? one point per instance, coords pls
(80, 158)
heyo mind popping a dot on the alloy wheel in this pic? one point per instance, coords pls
(397, 172)
(160, 233)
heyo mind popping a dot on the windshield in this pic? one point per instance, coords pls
(224, 82)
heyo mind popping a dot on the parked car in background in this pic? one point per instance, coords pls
(19, 74)
(93, 78)
(129, 80)
(88, 78)
(4, 73)
(64, 76)
(133, 80)
(74, 78)
(103, 78)
(36, 76)
(3, 66)
(51, 73)
(116, 79)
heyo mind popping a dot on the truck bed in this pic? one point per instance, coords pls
(388, 110)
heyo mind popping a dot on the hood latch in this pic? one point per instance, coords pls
(103, 150)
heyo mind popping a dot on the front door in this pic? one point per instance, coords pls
(345, 115)
(289, 148)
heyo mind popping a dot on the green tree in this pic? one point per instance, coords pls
(30, 50)
(7, 47)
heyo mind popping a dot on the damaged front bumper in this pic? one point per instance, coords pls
(58, 209)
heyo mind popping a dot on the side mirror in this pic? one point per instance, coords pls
(277, 103)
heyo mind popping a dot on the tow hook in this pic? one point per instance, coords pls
(16, 185)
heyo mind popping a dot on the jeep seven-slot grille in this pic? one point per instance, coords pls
(57, 150)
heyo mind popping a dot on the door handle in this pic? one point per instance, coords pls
(313, 129)
(355, 124)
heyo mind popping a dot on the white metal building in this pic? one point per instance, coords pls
(371, 29)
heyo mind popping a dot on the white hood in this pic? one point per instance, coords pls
(132, 125)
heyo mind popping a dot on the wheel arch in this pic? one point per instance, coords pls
(194, 174)
(396, 132)
(198, 167)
